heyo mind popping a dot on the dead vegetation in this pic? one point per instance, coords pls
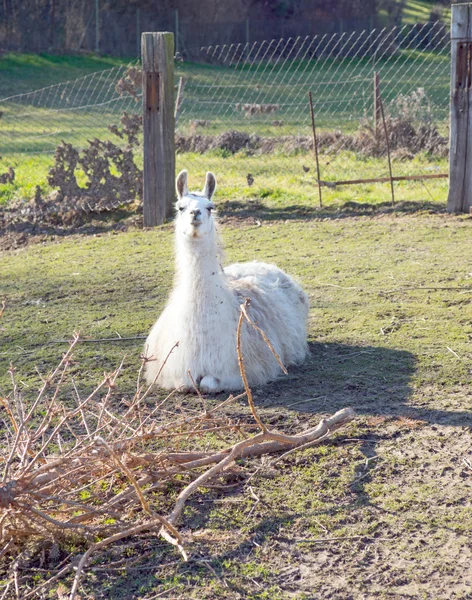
(112, 180)
(101, 178)
(8, 176)
(406, 139)
(409, 122)
(97, 469)
(130, 83)
(251, 109)
(105, 176)
(112, 176)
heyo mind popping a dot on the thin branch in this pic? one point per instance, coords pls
(50, 580)
(315, 147)
(265, 338)
(106, 542)
(64, 360)
(243, 370)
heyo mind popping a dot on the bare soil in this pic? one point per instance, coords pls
(381, 510)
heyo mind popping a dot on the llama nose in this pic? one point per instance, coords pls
(196, 213)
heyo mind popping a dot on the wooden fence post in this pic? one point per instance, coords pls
(157, 52)
(460, 146)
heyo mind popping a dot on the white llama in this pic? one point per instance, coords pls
(203, 310)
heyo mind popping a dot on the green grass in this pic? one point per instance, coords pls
(383, 508)
(390, 335)
(342, 89)
(278, 179)
(21, 73)
(30, 171)
(419, 11)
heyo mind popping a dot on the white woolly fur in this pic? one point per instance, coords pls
(203, 309)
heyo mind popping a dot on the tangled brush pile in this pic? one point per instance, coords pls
(96, 470)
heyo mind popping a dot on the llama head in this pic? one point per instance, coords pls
(194, 209)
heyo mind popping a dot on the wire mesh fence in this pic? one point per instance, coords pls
(251, 101)
(243, 109)
(73, 111)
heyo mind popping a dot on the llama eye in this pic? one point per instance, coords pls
(209, 209)
(181, 208)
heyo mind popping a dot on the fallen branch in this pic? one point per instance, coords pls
(262, 443)
(256, 446)
(63, 461)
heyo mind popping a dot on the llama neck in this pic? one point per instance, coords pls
(198, 267)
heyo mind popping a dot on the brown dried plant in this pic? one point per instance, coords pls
(96, 469)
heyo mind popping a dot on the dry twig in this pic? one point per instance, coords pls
(63, 461)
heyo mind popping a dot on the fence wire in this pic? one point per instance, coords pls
(251, 102)
(73, 111)
(244, 113)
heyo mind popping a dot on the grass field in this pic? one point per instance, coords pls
(383, 510)
(342, 88)
(419, 11)
(23, 73)
(275, 174)
(31, 126)
(339, 72)
(279, 180)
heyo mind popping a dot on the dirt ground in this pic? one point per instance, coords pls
(381, 510)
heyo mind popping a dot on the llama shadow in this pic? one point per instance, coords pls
(257, 209)
(373, 380)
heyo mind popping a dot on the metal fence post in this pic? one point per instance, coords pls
(97, 27)
(177, 33)
(377, 103)
(157, 51)
(460, 146)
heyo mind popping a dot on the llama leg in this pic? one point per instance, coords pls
(210, 384)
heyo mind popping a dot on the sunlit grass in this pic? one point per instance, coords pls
(342, 90)
(278, 178)
(21, 73)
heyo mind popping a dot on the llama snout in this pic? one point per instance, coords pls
(196, 217)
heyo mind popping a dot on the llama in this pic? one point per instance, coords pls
(204, 307)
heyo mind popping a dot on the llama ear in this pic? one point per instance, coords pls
(210, 186)
(181, 184)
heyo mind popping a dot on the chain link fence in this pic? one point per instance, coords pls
(243, 110)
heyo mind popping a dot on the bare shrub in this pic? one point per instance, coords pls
(99, 467)
(8, 176)
(104, 190)
(229, 141)
(113, 179)
(413, 107)
(130, 83)
(410, 125)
